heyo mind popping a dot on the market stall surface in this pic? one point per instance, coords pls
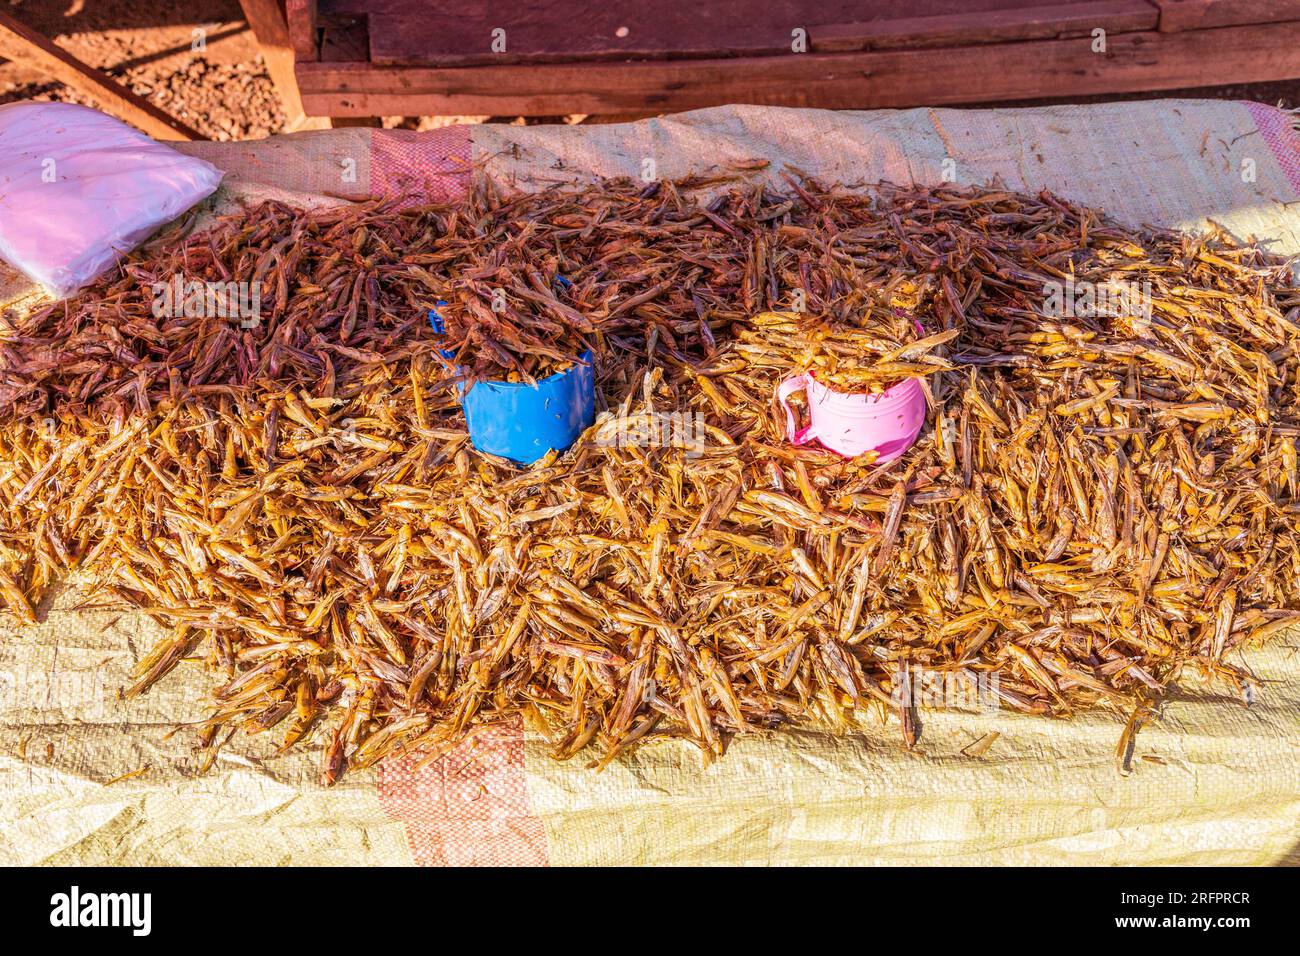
(1215, 765)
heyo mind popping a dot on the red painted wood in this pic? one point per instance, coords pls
(1042, 21)
(460, 32)
(300, 17)
(1022, 70)
(1178, 15)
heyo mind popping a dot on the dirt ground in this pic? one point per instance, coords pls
(221, 89)
(198, 60)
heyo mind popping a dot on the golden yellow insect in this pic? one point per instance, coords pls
(1109, 496)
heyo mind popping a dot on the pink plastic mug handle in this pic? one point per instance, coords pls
(797, 383)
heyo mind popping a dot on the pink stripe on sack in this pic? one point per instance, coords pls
(468, 808)
(1276, 127)
(433, 165)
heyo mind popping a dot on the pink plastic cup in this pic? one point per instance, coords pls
(853, 424)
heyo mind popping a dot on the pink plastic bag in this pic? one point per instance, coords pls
(78, 189)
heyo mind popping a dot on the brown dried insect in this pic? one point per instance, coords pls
(1105, 494)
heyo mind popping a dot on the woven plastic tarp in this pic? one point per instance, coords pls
(1212, 781)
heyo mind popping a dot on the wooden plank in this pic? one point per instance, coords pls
(892, 78)
(1033, 23)
(300, 15)
(462, 32)
(268, 24)
(344, 39)
(1178, 15)
(19, 42)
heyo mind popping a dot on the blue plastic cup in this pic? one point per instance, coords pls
(523, 422)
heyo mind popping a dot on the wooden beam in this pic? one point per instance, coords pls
(345, 39)
(453, 33)
(20, 43)
(1047, 21)
(267, 22)
(301, 17)
(1178, 15)
(971, 74)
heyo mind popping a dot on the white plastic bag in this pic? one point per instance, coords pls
(78, 189)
